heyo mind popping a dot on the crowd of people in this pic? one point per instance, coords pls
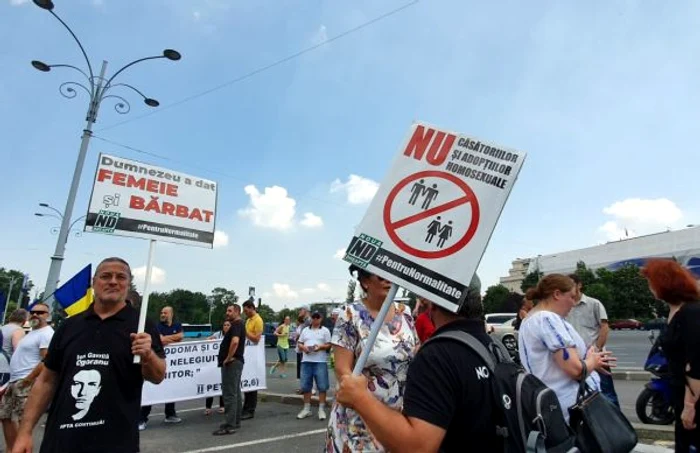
(413, 394)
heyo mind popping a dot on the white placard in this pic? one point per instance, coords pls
(192, 372)
(131, 198)
(428, 225)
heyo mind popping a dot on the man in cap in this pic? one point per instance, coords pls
(314, 342)
(448, 398)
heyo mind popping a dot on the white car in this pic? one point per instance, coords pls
(500, 326)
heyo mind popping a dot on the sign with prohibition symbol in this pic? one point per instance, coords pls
(438, 229)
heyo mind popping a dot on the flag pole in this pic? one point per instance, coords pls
(144, 300)
(374, 331)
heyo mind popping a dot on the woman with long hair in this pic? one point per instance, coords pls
(386, 367)
(551, 349)
(282, 334)
(675, 285)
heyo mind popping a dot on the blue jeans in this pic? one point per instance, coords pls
(314, 371)
(607, 388)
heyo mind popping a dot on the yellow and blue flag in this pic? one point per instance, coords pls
(75, 296)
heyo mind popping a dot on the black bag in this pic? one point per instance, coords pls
(599, 425)
(531, 418)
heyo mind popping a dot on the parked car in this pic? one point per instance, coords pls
(269, 332)
(506, 334)
(626, 324)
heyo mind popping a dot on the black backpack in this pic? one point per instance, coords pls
(531, 419)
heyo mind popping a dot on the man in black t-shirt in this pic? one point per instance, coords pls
(231, 361)
(447, 403)
(90, 373)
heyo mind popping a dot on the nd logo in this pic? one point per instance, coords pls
(106, 221)
(362, 250)
(440, 145)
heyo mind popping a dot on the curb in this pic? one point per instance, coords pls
(646, 433)
(630, 374)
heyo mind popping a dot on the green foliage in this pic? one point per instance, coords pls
(267, 313)
(629, 293)
(5, 276)
(495, 298)
(531, 280)
(220, 298)
(586, 275)
(190, 307)
(291, 312)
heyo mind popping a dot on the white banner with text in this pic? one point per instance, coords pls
(192, 372)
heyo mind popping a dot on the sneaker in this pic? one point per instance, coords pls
(272, 369)
(321, 414)
(283, 376)
(314, 392)
(304, 413)
(142, 426)
(173, 420)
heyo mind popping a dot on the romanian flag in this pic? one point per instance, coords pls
(75, 295)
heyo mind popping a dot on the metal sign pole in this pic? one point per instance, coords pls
(144, 300)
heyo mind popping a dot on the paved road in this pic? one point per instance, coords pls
(630, 347)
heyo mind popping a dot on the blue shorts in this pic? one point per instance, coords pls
(311, 371)
(282, 354)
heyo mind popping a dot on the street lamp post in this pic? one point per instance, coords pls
(59, 216)
(7, 298)
(98, 89)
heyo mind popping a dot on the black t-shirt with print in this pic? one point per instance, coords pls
(237, 329)
(444, 389)
(98, 390)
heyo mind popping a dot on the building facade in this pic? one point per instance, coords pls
(682, 245)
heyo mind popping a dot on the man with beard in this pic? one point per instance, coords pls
(25, 366)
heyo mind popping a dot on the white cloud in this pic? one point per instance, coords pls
(311, 220)
(323, 287)
(157, 276)
(284, 291)
(308, 290)
(271, 209)
(636, 216)
(339, 254)
(359, 190)
(18, 2)
(220, 239)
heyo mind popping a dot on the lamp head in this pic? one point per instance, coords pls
(171, 54)
(41, 66)
(44, 4)
(151, 102)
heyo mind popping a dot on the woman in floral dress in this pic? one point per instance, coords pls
(386, 366)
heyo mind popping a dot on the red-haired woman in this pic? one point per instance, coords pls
(673, 284)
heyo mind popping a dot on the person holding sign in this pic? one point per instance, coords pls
(386, 368)
(89, 374)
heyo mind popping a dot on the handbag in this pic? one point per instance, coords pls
(599, 425)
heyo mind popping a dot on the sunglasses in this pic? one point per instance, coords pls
(34, 312)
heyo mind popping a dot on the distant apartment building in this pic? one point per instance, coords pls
(682, 245)
(516, 274)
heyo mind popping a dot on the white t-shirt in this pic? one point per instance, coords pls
(27, 355)
(315, 337)
(542, 334)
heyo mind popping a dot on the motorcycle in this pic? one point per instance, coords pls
(654, 402)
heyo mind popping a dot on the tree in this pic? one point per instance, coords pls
(291, 312)
(220, 299)
(5, 276)
(189, 307)
(629, 295)
(531, 280)
(267, 313)
(586, 275)
(495, 298)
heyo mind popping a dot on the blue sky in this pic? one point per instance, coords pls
(603, 96)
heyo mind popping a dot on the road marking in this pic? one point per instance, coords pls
(258, 442)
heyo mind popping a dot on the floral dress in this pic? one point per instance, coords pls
(386, 370)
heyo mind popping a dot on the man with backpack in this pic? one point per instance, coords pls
(448, 401)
